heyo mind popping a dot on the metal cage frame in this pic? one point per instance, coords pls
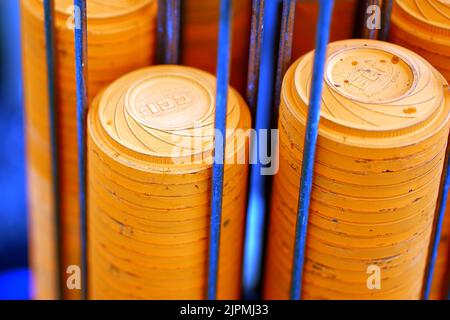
(261, 69)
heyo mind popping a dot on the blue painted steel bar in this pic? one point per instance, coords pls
(312, 127)
(172, 31)
(53, 112)
(436, 238)
(285, 46)
(386, 20)
(168, 31)
(161, 39)
(255, 53)
(258, 183)
(223, 75)
(82, 101)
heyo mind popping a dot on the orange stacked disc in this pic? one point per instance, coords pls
(199, 29)
(305, 26)
(150, 142)
(380, 153)
(120, 39)
(424, 27)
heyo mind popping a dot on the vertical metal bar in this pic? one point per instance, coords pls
(168, 31)
(285, 47)
(312, 128)
(223, 77)
(386, 20)
(366, 32)
(82, 101)
(173, 31)
(255, 52)
(436, 237)
(53, 112)
(161, 39)
(258, 182)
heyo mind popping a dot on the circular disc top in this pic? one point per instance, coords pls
(168, 103)
(163, 112)
(372, 89)
(369, 75)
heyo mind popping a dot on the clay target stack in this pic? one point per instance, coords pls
(120, 39)
(424, 27)
(380, 153)
(150, 141)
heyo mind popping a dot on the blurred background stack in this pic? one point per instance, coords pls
(199, 29)
(381, 150)
(424, 27)
(305, 25)
(121, 38)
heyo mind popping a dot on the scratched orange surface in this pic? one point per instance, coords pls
(380, 153)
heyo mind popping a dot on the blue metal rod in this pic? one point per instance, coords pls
(172, 31)
(82, 102)
(257, 203)
(53, 112)
(255, 53)
(285, 46)
(161, 26)
(223, 77)
(168, 31)
(436, 238)
(309, 152)
(386, 20)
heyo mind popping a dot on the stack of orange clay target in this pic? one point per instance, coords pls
(424, 27)
(120, 39)
(150, 142)
(380, 153)
(199, 29)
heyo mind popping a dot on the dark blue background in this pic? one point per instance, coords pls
(13, 222)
